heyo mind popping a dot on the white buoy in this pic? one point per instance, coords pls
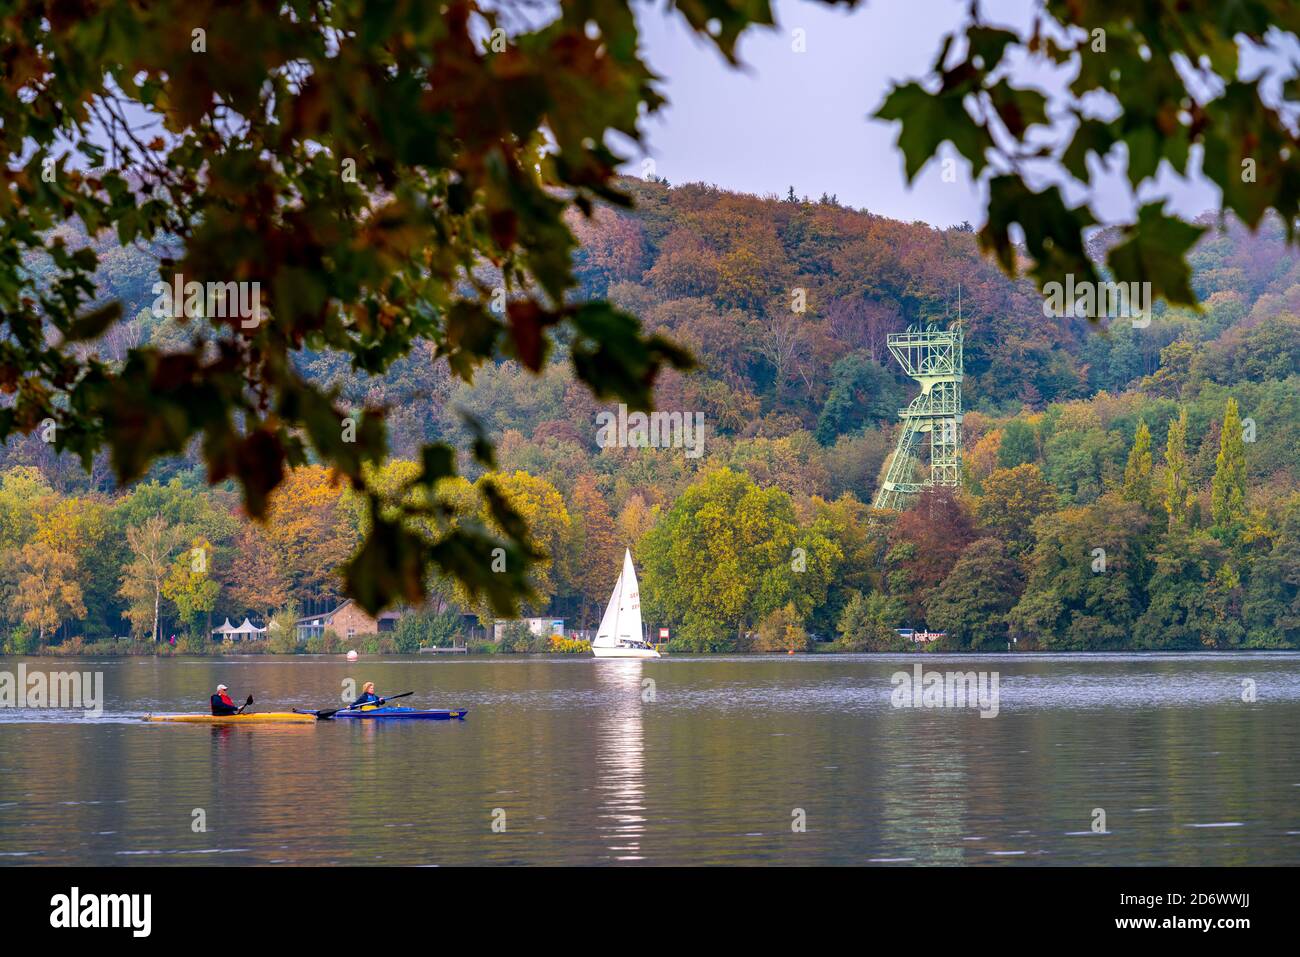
(352, 655)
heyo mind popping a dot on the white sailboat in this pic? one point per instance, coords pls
(620, 629)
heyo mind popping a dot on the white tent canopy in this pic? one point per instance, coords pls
(244, 632)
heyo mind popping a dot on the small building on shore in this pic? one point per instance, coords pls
(346, 621)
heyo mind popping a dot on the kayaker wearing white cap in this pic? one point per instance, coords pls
(221, 703)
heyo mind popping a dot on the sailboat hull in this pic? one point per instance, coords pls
(625, 652)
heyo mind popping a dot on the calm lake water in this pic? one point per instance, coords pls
(579, 769)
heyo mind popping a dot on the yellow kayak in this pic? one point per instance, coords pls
(269, 717)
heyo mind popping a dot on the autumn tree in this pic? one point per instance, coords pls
(1087, 578)
(81, 527)
(256, 577)
(781, 630)
(926, 542)
(549, 535)
(190, 585)
(972, 602)
(635, 518)
(48, 590)
(729, 553)
(151, 545)
(599, 546)
(862, 542)
(310, 534)
(1011, 500)
(21, 488)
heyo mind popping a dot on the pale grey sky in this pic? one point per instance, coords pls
(788, 118)
(801, 118)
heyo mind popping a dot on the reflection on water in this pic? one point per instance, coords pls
(578, 763)
(620, 757)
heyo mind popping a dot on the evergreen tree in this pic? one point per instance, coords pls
(1228, 490)
(1177, 492)
(1137, 474)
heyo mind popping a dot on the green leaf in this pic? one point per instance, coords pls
(93, 324)
(989, 44)
(930, 119)
(1018, 109)
(612, 357)
(727, 17)
(1154, 252)
(483, 451)
(1053, 233)
(469, 336)
(389, 566)
(1090, 137)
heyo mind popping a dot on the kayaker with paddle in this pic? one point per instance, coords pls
(222, 706)
(368, 695)
(367, 704)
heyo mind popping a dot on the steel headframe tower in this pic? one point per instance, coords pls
(933, 357)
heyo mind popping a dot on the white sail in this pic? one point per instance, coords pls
(622, 619)
(609, 622)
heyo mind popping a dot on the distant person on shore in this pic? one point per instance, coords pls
(221, 703)
(368, 695)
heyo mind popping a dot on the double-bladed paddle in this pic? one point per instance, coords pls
(326, 715)
(245, 705)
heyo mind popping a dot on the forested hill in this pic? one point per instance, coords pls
(783, 300)
(719, 269)
(1078, 435)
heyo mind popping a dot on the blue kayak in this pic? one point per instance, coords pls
(409, 714)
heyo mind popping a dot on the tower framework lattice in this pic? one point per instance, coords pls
(933, 357)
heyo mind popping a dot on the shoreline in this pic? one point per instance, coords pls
(569, 656)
